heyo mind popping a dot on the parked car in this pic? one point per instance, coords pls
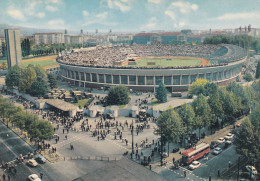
(251, 169)
(217, 151)
(194, 165)
(164, 154)
(221, 140)
(40, 159)
(175, 150)
(32, 163)
(34, 177)
(229, 136)
(214, 144)
(110, 116)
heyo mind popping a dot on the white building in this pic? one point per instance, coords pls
(48, 38)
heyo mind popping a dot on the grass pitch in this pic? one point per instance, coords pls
(165, 62)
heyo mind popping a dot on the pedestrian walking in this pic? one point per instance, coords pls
(184, 174)
(3, 177)
(8, 177)
(41, 175)
(218, 173)
(229, 164)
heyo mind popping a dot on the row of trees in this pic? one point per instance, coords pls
(26, 47)
(35, 127)
(244, 41)
(213, 104)
(33, 80)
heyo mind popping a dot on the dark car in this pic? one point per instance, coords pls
(175, 150)
(110, 116)
(214, 144)
(40, 159)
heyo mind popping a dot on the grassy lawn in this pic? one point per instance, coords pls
(121, 106)
(41, 63)
(3, 61)
(166, 62)
(155, 102)
(81, 103)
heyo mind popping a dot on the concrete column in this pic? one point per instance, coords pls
(97, 78)
(128, 80)
(181, 79)
(120, 82)
(112, 79)
(90, 77)
(145, 79)
(136, 80)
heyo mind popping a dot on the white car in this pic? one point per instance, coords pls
(229, 136)
(217, 151)
(32, 163)
(251, 169)
(194, 165)
(164, 154)
(34, 177)
(221, 140)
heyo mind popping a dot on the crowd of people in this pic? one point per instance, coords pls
(114, 56)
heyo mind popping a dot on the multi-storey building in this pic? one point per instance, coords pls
(48, 38)
(13, 47)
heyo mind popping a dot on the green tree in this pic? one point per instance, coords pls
(216, 108)
(198, 87)
(38, 89)
(248, 77)
(161, 93)
(28, 76)
(202, 111)
(247, 140)
(12, 78)
(257, 75)
(118, 95)
(52, 81)
(3, 49)
(187, 115)
(170, 127)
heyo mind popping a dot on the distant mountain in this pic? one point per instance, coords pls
(27, 31)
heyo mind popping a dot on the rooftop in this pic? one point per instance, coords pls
(60, 104)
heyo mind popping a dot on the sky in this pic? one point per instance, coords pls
(130, 15)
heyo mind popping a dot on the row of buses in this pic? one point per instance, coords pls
(195, 153)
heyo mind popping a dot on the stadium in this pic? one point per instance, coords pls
(143, 67)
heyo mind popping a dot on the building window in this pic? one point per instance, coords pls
(208, 77)
(72, 73)
(115, 79)
(149, 80)
(132, 80)
(167, 80)
(201, 76)
(225, 74)
(77, 75)
(141, 80)
(185, 80)
(101, 78)
(124, 79)
(214, 76)
(82, 76)
(108, 79)
(88, 77)
(176, 80)
(220, 76)
(193, 78)
(94, 77)
(158, 80)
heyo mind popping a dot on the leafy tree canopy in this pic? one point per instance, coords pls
(198, 87)
(12, 78)
(118, 95)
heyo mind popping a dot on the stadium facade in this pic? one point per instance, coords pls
(227, 69)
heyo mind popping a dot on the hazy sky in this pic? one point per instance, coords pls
(130, 15)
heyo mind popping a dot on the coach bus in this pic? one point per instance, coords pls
(195, 153)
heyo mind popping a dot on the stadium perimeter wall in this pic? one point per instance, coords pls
(139, 79)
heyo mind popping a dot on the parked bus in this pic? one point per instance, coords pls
(176, 94)
(195, 153)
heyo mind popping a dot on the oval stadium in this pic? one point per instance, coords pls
(143, 67)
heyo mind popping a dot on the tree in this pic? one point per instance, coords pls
(12, 78)
(52, 81)
(198, 87)
(216, 108)
(202, 111)
(3, 49)
(257, 75)
(187, 115)
(248, 77)
(28, 76)
(170, 127)
(161, 93)
(247, 140)
(38, 89)
(118, 95)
